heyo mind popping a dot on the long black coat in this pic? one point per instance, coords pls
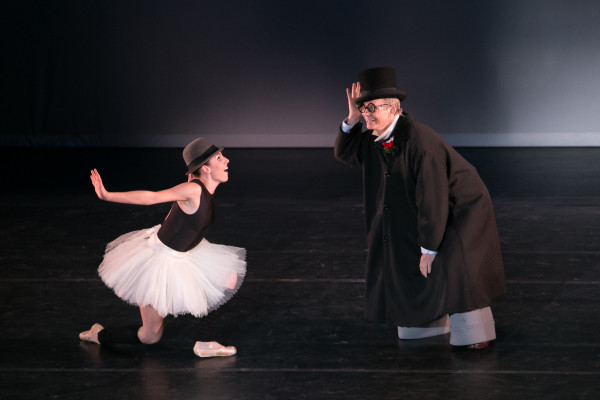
(425, 195)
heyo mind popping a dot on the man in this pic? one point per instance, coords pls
(434, 261)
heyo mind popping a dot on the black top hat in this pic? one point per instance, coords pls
(378, 83)
(198, 152)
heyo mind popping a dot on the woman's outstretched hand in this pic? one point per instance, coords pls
(98, 185)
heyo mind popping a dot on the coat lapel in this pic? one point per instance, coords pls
(384, 158)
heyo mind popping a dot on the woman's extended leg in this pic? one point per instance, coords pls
(150, 332)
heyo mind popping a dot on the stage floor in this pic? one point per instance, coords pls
(297, 321)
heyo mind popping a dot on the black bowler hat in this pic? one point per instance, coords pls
(378, 83)
(198, 152)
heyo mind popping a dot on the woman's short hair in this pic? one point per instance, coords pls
(197, 171)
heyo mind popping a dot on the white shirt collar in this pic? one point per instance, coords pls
(385, 135)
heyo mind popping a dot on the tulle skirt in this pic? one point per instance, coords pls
(144, 272)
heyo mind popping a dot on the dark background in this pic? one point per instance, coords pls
(270, 73)
(94, 79)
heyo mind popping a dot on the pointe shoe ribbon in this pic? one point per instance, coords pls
(213, 349)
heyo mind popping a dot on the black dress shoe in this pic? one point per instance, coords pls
(478, 346)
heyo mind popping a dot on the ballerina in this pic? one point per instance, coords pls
(171, 269)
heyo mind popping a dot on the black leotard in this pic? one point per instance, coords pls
(183, 232)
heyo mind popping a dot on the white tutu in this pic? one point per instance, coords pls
(143, 271)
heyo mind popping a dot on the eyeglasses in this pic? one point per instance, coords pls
(371, 107)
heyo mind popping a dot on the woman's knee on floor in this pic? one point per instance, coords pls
(150, 334)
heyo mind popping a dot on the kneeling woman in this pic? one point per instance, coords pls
(171, 268)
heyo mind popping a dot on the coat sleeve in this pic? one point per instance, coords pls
(431, 197)
(347, 146)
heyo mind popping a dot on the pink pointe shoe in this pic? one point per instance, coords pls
(213, 349)
(92, 334)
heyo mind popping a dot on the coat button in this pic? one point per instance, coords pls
(385, 239)
(387, 174)
(385, 207)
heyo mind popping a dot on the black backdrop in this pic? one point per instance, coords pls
(271, 73)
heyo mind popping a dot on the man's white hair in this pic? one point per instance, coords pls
(396, 103)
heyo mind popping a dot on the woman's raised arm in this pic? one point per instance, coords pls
(181, 192)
